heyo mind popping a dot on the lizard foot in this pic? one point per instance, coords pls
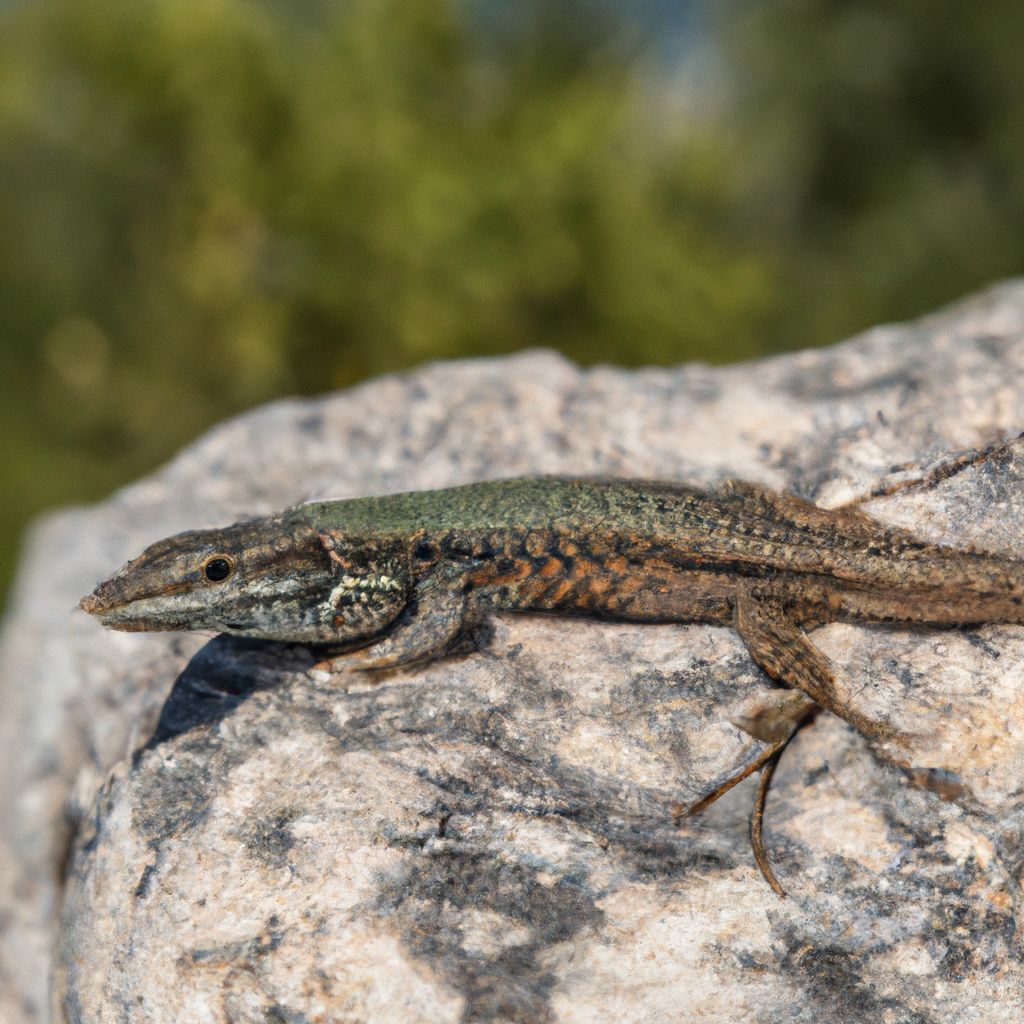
(774, 722)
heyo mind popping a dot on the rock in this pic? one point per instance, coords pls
(201, 830)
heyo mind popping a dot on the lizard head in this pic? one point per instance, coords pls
(281, 578)
(261, 579)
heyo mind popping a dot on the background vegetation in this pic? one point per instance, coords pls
(208, 203)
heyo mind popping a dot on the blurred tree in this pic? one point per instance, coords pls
(881, 146)
(208, 203)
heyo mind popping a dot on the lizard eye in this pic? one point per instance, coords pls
(217, 569)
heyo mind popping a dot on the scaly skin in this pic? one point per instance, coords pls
(406, 572)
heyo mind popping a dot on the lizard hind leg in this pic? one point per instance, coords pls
(773, 722)
(779, 646)
(781, 649)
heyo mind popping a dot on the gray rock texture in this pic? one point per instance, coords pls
(221, 832)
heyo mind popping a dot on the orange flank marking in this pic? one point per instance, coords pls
(535, 545)
(522, 570)
(590, 573)
(552, 567)
(617, 564)
(583, 569)
(629, 586)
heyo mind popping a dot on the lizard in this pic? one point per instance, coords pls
(396, 579)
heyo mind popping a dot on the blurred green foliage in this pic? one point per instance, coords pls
(208, 203)
(881, 146)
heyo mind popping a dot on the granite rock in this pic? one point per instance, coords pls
(216, 830)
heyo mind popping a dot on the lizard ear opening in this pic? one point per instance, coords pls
(218, 568)
(425, 551)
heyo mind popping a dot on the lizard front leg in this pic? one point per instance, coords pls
(435, 617)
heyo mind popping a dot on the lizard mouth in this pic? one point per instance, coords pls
(115, 605)
(134, 615)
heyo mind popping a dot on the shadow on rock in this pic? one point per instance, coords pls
(221, 676)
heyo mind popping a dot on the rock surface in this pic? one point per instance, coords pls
(224, 833)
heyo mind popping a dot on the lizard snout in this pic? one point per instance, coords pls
(91, 604)
(121, 599)
(109, 596)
